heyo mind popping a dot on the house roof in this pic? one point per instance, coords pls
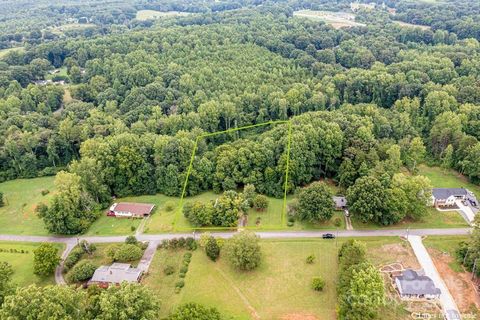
(134, 208)
(340, 201)
(445, 193)
(116, 273)
(411, 283)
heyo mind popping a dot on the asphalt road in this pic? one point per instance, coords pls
(262, 234)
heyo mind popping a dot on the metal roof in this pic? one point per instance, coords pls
(116, 273)
(412, 283)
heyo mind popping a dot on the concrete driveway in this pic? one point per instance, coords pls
(466, 211)
(446, 299)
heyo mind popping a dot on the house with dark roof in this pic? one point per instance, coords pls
(444, 197)
(115, 274)
(411, 285)
(130, 210)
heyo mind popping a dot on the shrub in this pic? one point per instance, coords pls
(132, 228)
(177, 289)
(212, 249)
(191, 311)
(204, 237)
(169, 206)
(187, 260)
(290, 224)
(131, 240)
(180, 284)
(310, 259)
(1, 200)
(44, 192)
(74, 256)
(168, 270)
(81, 271)
(318, 284)
(182, 275)
(337, 222)
(181, 242)
(128, 252)
(191, 244)
(187, 255)
(173, 243)
(184, 269)
(260, 202)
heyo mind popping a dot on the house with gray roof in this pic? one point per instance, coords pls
(115, 274)
(411, 285)
(447, 196)
(340, 202)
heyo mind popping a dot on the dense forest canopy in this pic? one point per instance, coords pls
(364, 101)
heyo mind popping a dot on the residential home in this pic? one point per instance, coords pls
(340, 202)
(130, 210)
(411, 285)
(115, 274)
(446, 197)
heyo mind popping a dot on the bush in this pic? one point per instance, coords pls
(168, 270)
(204, 237)
(290, 224)
(44, 192)
(2, 203)
(177, 289)
(310, 259)
(131, 240)
(260, 202)
(212, 249)
(187, 260)
(82, 271)
(132, 228)
(184, 269)
(180, 284)
(169, 206)
(128, 252)
(337, 222)
(192, 311)
(187, 255)
(74, 256)
(318, 284)
(191, 244)
(181, 242)
(182, 275)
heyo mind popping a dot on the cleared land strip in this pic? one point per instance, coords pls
(263, 235)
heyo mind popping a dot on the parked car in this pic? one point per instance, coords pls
(328, 236)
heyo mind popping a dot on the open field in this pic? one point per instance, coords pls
(61, 72)
(152, 14)
(72, 26)
(278, 289)
(411, 25)
(22, 263)
(22, 196)
(448, 179)
(4, 52)
(335, 19)
(458, 281)
(433, 219)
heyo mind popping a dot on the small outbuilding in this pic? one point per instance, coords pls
(411, 285)
(115, 274)
(130, 210)
(340, 202)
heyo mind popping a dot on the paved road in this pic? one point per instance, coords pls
(446, 299)
(262, 234)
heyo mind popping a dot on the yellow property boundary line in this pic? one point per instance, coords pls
(284, 211)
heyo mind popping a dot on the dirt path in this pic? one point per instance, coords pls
(459, 283)
(252, 310)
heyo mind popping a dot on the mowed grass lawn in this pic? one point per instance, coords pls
(446, 244)
(433, 219)
(22, 263)
(21, 197)
(280, 287)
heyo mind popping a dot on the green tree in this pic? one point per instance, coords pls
(45, 259)
(82, 271)
(6, 287)
(212, 249)
(195, 311)
(249, 193)
(260, 202)
(128, 252)
(243, 251)
(367, 199)
(315, 203)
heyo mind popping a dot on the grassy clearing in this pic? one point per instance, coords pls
(411, 25)
(441, 178)
(433, 219)
(61, 72)
(22, 263)
(22, 196)
(278, 289)
(335, 19)
(152, 14)
(109, 226)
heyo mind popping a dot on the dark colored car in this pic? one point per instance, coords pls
(328, 236)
